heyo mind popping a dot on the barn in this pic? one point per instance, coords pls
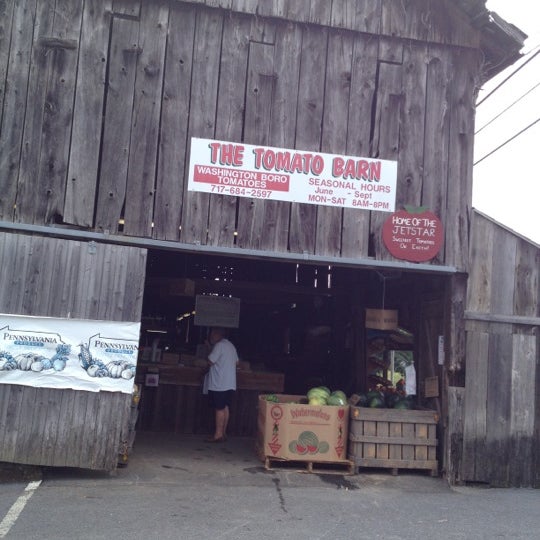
(127, 198)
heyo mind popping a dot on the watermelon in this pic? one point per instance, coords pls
(319, 392)
(376, 402)
(308, 439)
(323, 447)
(336, 400)
(340, 394)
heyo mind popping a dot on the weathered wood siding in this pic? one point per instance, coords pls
(501, 433)
(101, 100)
(63, 278)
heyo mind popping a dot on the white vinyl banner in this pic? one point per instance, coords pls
(263, 172)
(68, 353)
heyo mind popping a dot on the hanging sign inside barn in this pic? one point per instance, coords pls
(88, 355)
(262, 172)
(413, 234)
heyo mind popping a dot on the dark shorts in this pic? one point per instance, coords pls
(220, 400)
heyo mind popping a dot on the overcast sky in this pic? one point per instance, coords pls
(507, 183)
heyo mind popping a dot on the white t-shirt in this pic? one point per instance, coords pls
(222, 374)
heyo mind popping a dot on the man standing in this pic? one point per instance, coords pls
(221, 380)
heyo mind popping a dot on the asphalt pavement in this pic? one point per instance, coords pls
(180, 487)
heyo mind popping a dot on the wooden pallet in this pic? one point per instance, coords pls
(345, 467)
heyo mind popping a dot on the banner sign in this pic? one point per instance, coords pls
(262, 172)
(79, 354)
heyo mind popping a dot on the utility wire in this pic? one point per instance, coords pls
(507, 141)
(509, 77)
(508, 108)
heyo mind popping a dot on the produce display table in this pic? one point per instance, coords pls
(395, 439)
(177, 403)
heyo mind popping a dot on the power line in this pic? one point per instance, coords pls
(509, 77)
(507, 141)
(507, 108)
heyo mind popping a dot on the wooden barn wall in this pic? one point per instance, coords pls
(102, 97)
(61, 278)
(501, 434)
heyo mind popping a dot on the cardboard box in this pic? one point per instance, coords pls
(298, 431)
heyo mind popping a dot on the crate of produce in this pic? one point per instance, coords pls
(291, 429)
(394, 439)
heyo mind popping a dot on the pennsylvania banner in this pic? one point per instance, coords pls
(80, 354)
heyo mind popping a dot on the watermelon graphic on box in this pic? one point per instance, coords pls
(290, 429)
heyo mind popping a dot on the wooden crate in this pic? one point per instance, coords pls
(394, 439)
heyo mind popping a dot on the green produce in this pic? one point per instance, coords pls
(339, 393)
(376, 402)
(403, 404)
(317, 400)
(336, 400)
(271, 397)
(363, 400)
(319, 392)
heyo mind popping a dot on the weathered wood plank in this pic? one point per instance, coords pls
(122, 62)
(527, 280)
(464, 87)
(436, 135)
(229, 119)
(481, 256)
(283, 122)
(334, 132)
(47, 431)
(454, 453)
(35, 113)
(139, 207)
(16, 47)
(411, 138)
(67, 428)
(15, 54)
(173, 139)
(476, 396)
(87, 114)
(10, 436)
(503, 269)
(386, 135)
(522, 413)
(204, 87)
(58, 114)
(360, 15)
(16, 259)
(308, 129)
(499, 409)
(355, 232)
(134, 284)
(425, 21)
(6, 25)
(131, 8)
(320, 12)
(252, 213)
